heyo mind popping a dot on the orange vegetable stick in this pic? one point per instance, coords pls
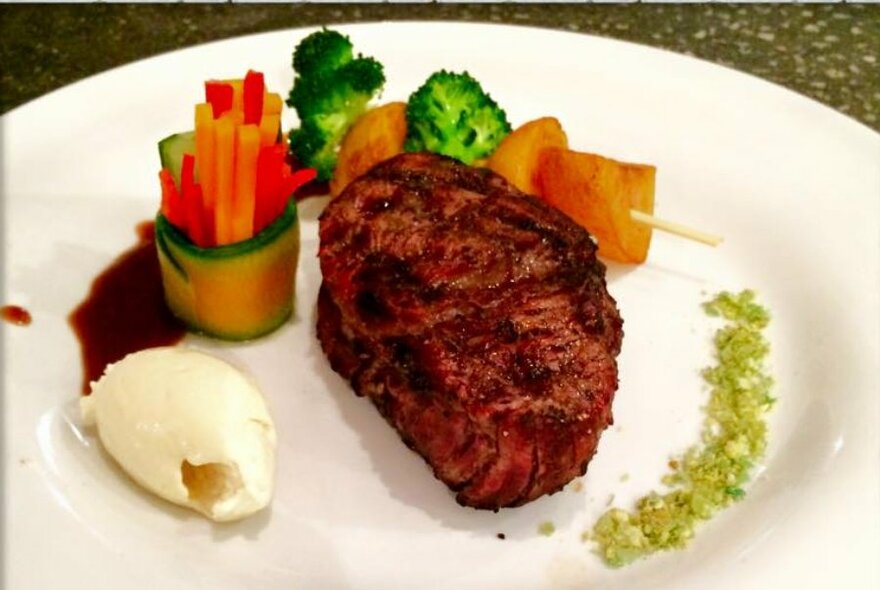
(269, 126)
(206, 167)
(272, 103)
(237, 95)
(224, 146)
(247, 146)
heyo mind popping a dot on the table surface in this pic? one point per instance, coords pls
(827, 52)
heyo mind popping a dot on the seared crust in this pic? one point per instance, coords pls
(477, 320)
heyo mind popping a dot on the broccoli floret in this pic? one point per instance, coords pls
(348, 88)
(331, 90)
(322, 51)
(451, 114)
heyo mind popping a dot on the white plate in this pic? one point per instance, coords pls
(793, 186)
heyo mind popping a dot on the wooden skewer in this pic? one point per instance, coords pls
(675, 228)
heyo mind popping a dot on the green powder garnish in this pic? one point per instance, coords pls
(546, 528)
(709, 476)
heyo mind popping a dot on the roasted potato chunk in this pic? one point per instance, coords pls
(376, 136)
(598, 193)
(516, 158)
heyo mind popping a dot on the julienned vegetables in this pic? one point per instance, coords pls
(451, 114)
(331, 90)
(227, 233)
(228, 179)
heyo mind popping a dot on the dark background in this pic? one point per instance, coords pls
(827, 52)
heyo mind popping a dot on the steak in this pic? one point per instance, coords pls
(476, 319)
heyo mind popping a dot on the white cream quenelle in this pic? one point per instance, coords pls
(188, 427)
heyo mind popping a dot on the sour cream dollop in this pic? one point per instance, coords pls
(188, 427)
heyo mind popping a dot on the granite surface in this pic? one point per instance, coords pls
(827, 52)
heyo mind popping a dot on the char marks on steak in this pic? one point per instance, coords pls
(476, 319)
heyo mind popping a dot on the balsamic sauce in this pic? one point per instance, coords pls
(125, 309)
(15, 315)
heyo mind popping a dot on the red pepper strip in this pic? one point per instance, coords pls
(191, 206)
(195, 216)
(268, 184)
(289, 184)
(279, 199)
(299, 178)
(171, 206)
(254, 88)
(167, 184)
(207, 219)
(219, 94)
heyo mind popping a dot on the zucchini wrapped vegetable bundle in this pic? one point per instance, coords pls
(227, 233)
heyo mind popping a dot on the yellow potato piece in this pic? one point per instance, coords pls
(516, 157)
(376, 136)
(598, 193)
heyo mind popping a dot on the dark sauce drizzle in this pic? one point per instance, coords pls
(125, 310)
(15, 315)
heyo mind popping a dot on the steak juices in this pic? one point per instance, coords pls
(476, 319)
(227, 234)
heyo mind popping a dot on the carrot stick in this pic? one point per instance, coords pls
(237, 95)
(206, 167)
(225, 158)
(247, 152)
(272, 103)
(269, 126)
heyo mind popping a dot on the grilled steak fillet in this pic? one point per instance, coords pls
(476, 319)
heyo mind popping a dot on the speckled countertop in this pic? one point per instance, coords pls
(827, 52)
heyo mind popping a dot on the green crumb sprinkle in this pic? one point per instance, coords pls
(710, 475)
(546, 528)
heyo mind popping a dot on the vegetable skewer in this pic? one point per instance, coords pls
(675, 228)
(227, 234)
